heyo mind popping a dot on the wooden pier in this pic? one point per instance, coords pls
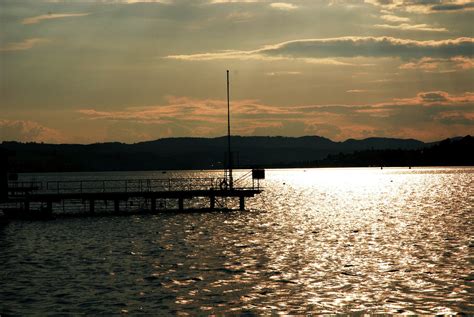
(53, 198)
(43, 198)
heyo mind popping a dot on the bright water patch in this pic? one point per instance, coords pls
(315, 241)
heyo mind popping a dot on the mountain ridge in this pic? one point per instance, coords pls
(198, 153)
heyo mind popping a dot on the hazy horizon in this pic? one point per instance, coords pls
(86, 71)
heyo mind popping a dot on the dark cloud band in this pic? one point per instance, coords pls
(348, 47)
(372, 47)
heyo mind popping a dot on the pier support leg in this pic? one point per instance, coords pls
(181, 203)
(27, 205)
(49, 208)
(212, 202)
(153, 204)
(116, 205)
(242, 202)
(91, 206)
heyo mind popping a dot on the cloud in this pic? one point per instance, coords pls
(433, 98)
(183, 116)
(453, 7)
(51, 16)
(394, 18)
(232, 1)
(115, 1)
(346, 47)
(440, 65)
(356, 91)
(240, 16)
(24, 45)
(28, 131)
(411, 27)
(456, 117)
(251, 55)
(148, 1)
(283, 6)
(292, 128)
(430, 115)
(424, 6)
(187, 109)
(283, 73)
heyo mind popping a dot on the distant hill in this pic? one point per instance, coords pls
(209, 153)
(449, 152)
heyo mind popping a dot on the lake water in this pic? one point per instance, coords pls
(315, 241)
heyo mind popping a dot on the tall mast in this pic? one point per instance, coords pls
(229, 153)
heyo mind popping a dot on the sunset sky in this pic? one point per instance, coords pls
(115, 70)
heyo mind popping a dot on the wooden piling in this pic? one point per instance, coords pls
(242, 202)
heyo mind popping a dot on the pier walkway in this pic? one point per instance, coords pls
(47, 198)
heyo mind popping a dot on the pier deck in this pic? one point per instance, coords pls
(89, 196)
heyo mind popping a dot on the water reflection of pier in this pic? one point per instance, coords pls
(45, 198)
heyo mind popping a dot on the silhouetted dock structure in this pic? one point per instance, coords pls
(20, 199)
(49, 198)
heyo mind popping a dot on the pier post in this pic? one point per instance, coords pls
(212, 202)
(91, 205)
(49, 206)
(153, 204)
(116, 205)
(242, 202)
(27, 205)
(181, 203)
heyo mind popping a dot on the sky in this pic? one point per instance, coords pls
(123, 70)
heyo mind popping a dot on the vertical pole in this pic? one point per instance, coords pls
(231, 185)
(181, 203)
(212, 202)
(242, 203)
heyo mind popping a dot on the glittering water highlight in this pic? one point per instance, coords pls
(315, 241)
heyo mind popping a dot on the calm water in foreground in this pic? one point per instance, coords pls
(316, 241)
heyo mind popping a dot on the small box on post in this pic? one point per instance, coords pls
(258, 173)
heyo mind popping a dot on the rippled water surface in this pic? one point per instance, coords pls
(315, 241)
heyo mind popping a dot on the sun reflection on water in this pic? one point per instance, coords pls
(370, 238)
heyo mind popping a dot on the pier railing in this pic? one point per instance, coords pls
(22, 185)
(91, 195)
(128, 185)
